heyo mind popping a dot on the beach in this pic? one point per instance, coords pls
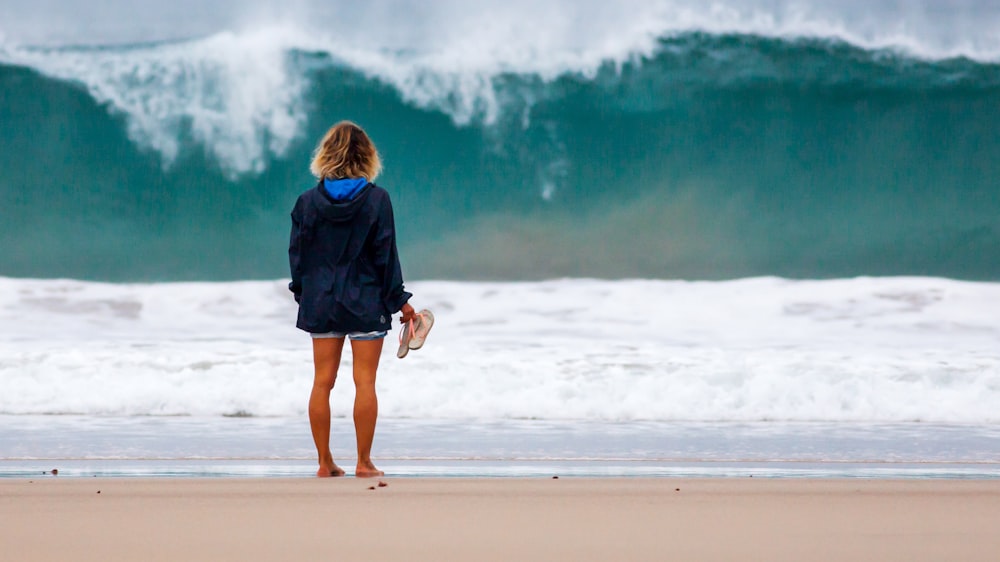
(711, 280)
(48, 518)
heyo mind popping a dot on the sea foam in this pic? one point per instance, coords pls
(867, 349)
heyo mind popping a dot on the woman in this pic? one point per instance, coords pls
(347, 280)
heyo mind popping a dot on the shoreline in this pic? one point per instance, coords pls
(499, 518)
(143, 446)
(272, 469)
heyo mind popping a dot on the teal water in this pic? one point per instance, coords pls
(717, 156)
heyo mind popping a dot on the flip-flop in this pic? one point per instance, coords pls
(424, 321)
(406, 332)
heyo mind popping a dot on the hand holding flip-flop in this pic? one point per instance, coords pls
(414, 329)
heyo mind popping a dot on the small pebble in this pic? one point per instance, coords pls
(677, 489)
(371, 487)
(98, 491)
(55, 471)
(555, 478)
(382, 484)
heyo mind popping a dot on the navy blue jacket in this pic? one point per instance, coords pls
(345, 268)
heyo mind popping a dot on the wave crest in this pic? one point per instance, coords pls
(233, 94)
(243, 95)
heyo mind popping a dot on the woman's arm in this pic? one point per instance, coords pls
(387, 260)
(295, 256)
(408, 313)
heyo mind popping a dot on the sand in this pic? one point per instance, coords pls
(57, 518)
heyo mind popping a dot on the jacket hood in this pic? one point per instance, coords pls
(344, 189)
(339, 210)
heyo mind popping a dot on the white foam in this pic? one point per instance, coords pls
(232, 93)
(896, 349)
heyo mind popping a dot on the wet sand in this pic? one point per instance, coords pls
(50, 518)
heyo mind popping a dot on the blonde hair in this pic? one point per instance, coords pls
(346, 152)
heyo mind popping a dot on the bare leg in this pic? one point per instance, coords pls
(326, 359)
(366, 356)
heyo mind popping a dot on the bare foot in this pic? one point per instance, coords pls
(367, 470)
(328, 471)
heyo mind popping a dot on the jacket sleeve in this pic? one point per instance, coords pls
(387, 260)
(295, 254)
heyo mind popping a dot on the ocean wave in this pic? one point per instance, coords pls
(660, 140)
(233, 94)
(720, 156)
(244, 95)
